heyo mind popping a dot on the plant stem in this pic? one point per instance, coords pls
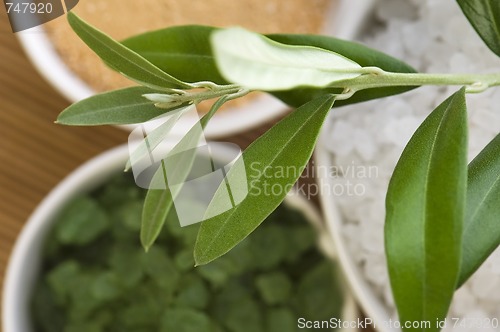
(474, 82)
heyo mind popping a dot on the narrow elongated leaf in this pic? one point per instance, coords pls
(482, 219)
(125, 106)
(185, 53)
(289, 144)
(484, 16)
(256, 62)
(157, 205)
(121, 58)
(159, 202)
(425, 212)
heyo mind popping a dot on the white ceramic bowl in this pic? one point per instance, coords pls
(25, 260)
(262, 109)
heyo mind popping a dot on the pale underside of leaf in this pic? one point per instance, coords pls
(257, 62)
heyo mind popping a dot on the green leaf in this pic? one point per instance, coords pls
(182, 51)
(123, 59)
(185, 52)
(484, 16)
(482, 219)
(124, 106)
(288, 144)
(425, 211)
(259, 63)
(158, 203)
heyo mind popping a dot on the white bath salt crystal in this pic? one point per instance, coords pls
(372, 240)
(482, 284)
(395, 107)
(494, 260)
(455, 30)
(423, 101)
(341, 140)
(387, 162)
(375, 271)
(390, 9)
(351, 235)
(463, 301)
(412, 39)
(488, 119)
(434, 15)
(376, 211)
(364, 144)
(476, 320)
(435, 59)
(362, 213)
(477, 143)
(460, 63)
(399, 132)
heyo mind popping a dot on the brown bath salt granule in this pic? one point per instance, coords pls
(124, 18)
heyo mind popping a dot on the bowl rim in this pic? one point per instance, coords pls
(23, 264)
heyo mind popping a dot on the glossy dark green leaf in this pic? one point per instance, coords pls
(121, 58)
(425, 207)
(288, 144)
(124, 106)
(482, 219)
(185, 52)
(484, 16)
